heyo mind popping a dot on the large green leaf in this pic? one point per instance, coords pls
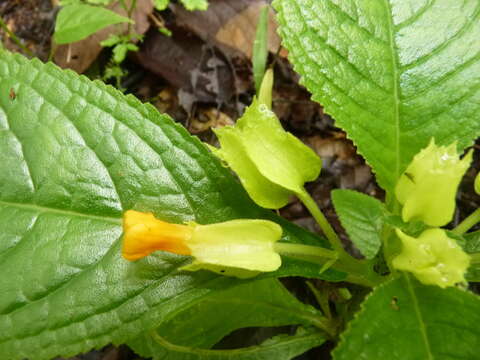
(404, 319)
(282, 347)
(74, 154)
(393, 73)
(257, 303)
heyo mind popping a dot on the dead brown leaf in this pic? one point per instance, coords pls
(207, 119)
(230, 24)
(80, 55)
(200, 71)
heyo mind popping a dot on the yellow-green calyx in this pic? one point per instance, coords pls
(428, 187)
(240, 248)
(433, 257)
(271, 163)
(477, 184)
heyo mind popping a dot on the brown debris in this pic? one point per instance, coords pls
(207, 119)
(229, 25)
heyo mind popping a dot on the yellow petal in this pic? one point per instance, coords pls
(428, 187)
(144, 234)
(433, 257)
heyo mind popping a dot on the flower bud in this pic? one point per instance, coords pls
(240, 248)
(271, 163)
(428, 187)
(476, 184)
(433, 257)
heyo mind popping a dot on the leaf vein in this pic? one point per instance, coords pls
(334, 50)
(421, 324)
(435, 115)
(423, 59)
(412, 19)
(354, 21)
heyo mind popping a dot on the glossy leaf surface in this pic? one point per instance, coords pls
(393, 73)
(74, 154)
(421, 322)
(362, 217)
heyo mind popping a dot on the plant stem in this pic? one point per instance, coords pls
(327, 229)
(467, 223)
(358, 271)
(305, 250)
(14, 37)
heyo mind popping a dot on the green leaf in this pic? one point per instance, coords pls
(407, 320)
(111, 40)
(472, 246)
(193, 5)
(260, 48)
(161, 5)
(258, 303)
(75, 154)
(362, 216)
(393, 73)
(78, 21)
(472, 242)
(281, 347)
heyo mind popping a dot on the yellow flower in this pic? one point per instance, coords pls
(428, 187)
(433, 257)
(240, 248)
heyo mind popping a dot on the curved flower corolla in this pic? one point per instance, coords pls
(433, 257)
(271, 163)
(240, 248)
(428, 187)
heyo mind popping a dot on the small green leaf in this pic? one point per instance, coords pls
(282, 347)
(472, 242)
(161, 5)
(193, 5)
(112, 40)
(119, 53)
(362, 216)
(78, 21)
(392, 73)
(472, 246)
(260, 48)
(407, 320)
